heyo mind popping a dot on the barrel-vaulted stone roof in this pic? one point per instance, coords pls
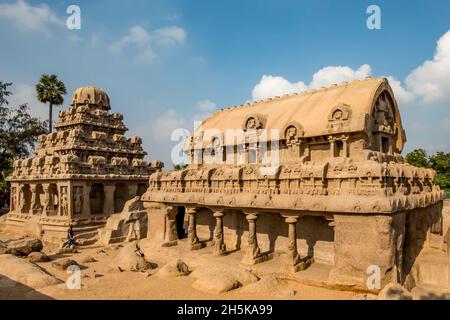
(313, 109)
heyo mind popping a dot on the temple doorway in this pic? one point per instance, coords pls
(97, 197)
(180, 223)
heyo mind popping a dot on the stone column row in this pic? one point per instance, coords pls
(253, 254)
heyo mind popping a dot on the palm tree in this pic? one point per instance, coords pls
(50, 89)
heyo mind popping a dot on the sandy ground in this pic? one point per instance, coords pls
(98, 282)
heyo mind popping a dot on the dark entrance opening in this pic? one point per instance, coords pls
(180, 223)
(385, 145)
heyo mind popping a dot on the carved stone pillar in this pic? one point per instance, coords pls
(345, 146)
(22, 199)
(332, 147)
(108, 204)
(86, 201)
(219, 244)
(170, 227)
(295, 263)
(12, 199)
(70, 204)
(48, 202)
(293, 255)
(193, 241)
(34, 199)
(253, 254)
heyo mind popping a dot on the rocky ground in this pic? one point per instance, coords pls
(147, 271)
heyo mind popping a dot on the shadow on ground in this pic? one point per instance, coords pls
(13, 290)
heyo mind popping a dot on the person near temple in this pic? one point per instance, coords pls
(70, 236)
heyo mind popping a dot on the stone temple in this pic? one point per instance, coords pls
(80, 174)
(339, 192)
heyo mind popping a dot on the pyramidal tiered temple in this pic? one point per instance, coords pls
(80, 174)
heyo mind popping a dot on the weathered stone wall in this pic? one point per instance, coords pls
(365, 240)
(391, 242)
(156, 220)
(420, 224)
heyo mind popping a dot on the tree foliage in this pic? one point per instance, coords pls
(440, 162)
(179, 167)
(18, 132)
(418, 158)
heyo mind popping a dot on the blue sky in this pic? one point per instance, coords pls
(166, 63)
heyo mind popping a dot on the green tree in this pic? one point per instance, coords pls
(441, 163)
(50, 90)
(418, 158)
(18, 133)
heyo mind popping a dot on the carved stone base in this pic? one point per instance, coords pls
(197, 246)
(302, 264)
(249, 260)
(170, 244)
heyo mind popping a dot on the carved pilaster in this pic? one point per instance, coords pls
(332, 146)
(170, 231)
(108, 204)
(345, 146)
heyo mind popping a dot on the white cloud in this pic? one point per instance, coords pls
(338, 74)
(431, 80)
(402, 95)
(137, 36)
(163, 127)
(25, 93)
(168, 36)
(148, 41)
(158, 136)
(29, 18)
(270, 86)
(206, 105)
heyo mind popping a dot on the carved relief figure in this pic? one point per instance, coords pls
(383, 114)
(64, 202)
